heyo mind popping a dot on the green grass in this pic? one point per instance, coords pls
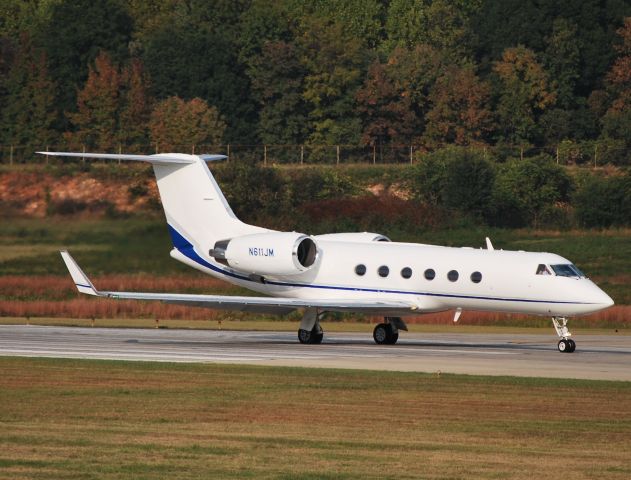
(67, 419)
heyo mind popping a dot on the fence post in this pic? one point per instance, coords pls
(595, 153)
(11, 155)
(337, 148)
(557, 155)
(374, 154)
(120, 151)
(411, 152)
(264, 154)
(83, 158)
(192, 149)
(46, 155)
(156, 147)
(521, 153)
(228, 152)
(302, 154)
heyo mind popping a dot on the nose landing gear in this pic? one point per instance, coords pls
(566, 344)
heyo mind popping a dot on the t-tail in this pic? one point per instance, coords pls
(196, 210)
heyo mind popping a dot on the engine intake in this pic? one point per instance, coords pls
(274, 253)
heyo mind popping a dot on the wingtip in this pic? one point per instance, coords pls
(213, 157)
(80, 279)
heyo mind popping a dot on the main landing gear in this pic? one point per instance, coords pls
(566, 344)
(310, 331)
(387, 333)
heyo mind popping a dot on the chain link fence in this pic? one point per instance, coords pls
(588, 153)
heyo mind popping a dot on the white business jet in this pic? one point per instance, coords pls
(344, 272)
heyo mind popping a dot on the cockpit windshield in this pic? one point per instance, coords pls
(567, 270)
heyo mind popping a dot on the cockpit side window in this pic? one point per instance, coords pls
(543, 270)
(567, 270)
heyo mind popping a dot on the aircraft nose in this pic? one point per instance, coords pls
(603, 299)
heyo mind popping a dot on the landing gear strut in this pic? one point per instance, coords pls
(387, 333)
(310, 331)
(566, 344)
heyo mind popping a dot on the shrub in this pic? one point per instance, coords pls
(604, 202)
(525, 189)
(252, 190)
(456, 178)
(319, 184)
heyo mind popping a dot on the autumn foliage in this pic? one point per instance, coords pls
(175, 122)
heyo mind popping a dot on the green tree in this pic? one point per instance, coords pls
(199, 62)
(524, 94)
(277, 78)
(459, 111)
(363, 19)
(443, 24)
(73, 34)
(334, 61)
(562, 60)
(414, 73)
(265, 21)
(499, 25)
(29, 113)
(177, 125)
(617, 118)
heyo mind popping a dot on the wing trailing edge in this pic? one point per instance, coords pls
(273, 305)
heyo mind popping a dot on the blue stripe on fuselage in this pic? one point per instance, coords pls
(189, 251)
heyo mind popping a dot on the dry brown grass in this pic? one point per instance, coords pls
(55, 296)
(79, 419)
(53, 286)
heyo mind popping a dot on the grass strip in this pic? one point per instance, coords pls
(68, 419)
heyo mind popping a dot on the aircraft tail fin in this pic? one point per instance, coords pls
(195, 208)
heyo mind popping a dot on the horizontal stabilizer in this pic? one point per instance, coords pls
(245, 304)
(158, 159)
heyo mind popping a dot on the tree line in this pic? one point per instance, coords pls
(433, 73)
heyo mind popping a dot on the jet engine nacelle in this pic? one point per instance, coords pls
(274, 253)
(354, 237)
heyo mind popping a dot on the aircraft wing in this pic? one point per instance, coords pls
(273, 305)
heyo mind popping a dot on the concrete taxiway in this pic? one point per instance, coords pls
(599, 357)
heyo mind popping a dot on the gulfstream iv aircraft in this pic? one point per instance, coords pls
(344, 272)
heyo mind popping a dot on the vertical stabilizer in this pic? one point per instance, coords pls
(196, 210)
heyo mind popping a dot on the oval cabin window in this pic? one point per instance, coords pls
(452, 275)
(406, 272)
(476, 277)
(383, 271)
(360, 269)
(430, 274)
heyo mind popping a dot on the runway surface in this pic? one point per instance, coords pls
(600, 357)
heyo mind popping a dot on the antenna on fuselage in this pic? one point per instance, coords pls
(489, 245)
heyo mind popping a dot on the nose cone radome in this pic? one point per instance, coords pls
(602, 299)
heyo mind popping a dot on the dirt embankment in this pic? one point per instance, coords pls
(37, 194)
